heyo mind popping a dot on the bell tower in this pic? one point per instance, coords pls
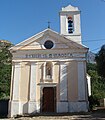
(70, 23)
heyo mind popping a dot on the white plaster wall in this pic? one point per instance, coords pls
(63, 82)
(77, 28)
(23, 107)
(32, 108)
(72, 107)
(78, 107)
(62, 107)
(14, 108)
(17, 75)
(63, 24)
(38, 105)
(33, 82)
(81, 81)
(75, 38)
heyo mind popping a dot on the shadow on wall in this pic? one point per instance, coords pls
(25, 109)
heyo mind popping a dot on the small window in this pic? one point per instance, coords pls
(70, 25)
(48, 44)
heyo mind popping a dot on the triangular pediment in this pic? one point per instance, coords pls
(70, 8)
(37, 41)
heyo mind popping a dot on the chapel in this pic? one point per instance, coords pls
(49, 70)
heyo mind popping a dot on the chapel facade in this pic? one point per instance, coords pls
(49, 70)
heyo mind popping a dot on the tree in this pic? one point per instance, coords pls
(97, 82)
(5, 68)
(91, 66)
(100, 60)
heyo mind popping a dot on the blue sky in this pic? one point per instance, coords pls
(20, 19)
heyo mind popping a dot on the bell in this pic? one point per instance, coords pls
(70, 25)
(70, 21)
(70, 30)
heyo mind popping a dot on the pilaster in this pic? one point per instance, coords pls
(16, 80)
(14, 101)
(81, 82)
(32, 96)
(63, 81)
(63, 103)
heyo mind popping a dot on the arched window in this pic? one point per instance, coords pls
(48, 70)
(70, 25)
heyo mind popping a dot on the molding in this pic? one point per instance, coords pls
(44, 34)
(47, 84)
(53, 60)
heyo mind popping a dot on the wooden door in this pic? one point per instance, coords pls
(49, 99)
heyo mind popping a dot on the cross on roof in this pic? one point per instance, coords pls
(49, 24)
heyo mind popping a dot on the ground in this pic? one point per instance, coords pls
(98, 114)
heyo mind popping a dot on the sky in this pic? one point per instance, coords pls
(21, 19)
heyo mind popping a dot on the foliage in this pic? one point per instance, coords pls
(92, 102)
(97, 85)
(5, 69)
(100, 60)
(91, 66)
